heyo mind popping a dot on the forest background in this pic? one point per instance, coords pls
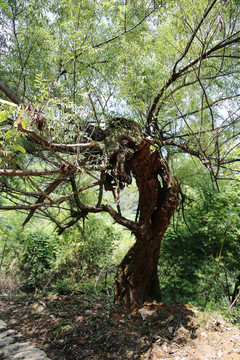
(171, 67)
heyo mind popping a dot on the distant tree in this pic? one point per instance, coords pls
(108, 91)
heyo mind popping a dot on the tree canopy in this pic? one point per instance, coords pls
(96, 93)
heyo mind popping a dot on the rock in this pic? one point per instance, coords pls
(6, 333)
(7, 340)
(145, 313)
(3, 325)
(10, 349)
(202, 334)
(182, 332)
(29, 354)
(237, 351)
(171, 329)
(89, 312)
(15, 348)
(165, 347)
(38, 308)
(215, 336)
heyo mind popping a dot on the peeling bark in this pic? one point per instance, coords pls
(137, 278)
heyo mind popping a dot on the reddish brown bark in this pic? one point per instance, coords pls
(137, 278)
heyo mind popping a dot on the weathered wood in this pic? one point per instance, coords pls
(137, 278)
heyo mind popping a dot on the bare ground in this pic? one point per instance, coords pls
(77, 327)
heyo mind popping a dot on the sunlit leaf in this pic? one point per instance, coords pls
(19, 147)
(5, 102)
(3, 116)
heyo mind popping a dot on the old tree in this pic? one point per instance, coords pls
(95, 94)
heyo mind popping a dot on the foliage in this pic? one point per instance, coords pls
(37, 259)
(199, 262)
(86, 260)
(81, 254)
(10, 240)
(78, 71)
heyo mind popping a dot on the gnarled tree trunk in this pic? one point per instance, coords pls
(137, 277)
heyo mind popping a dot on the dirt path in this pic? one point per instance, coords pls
(75, 327)
(11, 348)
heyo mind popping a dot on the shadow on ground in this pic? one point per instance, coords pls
(75, 327)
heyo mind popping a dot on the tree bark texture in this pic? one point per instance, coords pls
(137, 277)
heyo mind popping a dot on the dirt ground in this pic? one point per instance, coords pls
(76, 327)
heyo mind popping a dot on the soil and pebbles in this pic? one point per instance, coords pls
(11, 348)
(76, 327)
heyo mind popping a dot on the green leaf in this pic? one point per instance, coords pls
(19, 147)
(5, 102)
(3, 116)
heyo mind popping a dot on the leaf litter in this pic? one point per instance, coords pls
(76, 327)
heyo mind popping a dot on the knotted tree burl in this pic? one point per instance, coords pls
(130, 153)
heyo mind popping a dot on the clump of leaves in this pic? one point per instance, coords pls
(199, 263)
(83, 254)
(37, 259)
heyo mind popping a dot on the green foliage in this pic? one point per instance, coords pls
(87, 259)
(82, 254)
(64, 286)
(79, 61)
(37, 259)
(200, 263)
(10, 242)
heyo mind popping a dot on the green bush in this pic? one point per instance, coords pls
(82, 254)
(199, 262)
(37, 259)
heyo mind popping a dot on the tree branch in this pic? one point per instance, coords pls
(72, 146)
(5, 172)
(129, 224)
(183, 147)
(206, 12)
(9, 93)
(22, 207)
(47, 191)
(12, 189)
(233, 39)
(125, 31)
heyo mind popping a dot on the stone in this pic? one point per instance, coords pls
(171, 329)
(5, 341)
(3, 325)
(182, 332)
(145, 313)
(15, 348)
(10, 349)
(29, 354)
(6, 333)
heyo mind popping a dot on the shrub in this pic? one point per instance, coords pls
(37, 259)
